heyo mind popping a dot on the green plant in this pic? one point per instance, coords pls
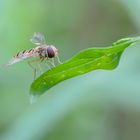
(87, 60)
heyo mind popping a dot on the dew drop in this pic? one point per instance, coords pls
(108, 55)
(63, 75)
(80, 71)
(51, 82)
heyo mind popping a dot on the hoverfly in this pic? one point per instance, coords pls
(42, 51)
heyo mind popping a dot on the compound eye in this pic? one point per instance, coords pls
(50, 52)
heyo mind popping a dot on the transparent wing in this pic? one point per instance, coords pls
(16, 60)
(38, 39)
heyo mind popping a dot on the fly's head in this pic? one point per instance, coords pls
(47, 51)
(44, 50)
(51, 51)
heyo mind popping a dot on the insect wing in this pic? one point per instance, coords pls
(38, 39)
(13, 61)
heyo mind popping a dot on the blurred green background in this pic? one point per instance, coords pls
(101, 105)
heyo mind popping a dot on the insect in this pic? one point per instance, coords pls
(42, 51)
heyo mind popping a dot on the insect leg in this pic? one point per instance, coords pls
(40, 60)
(51, 61)
(40, 69)
(47, 65)
(34, 69)
(48, 62)
(30, 64)
(58, 60)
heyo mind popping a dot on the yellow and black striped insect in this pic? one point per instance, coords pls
(43, 51)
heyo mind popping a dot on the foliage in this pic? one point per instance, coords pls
(85, 61)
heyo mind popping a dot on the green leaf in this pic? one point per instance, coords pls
(87, 60)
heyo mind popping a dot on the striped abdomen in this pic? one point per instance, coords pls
(23, 55)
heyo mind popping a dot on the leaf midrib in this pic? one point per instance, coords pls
(92, 61)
